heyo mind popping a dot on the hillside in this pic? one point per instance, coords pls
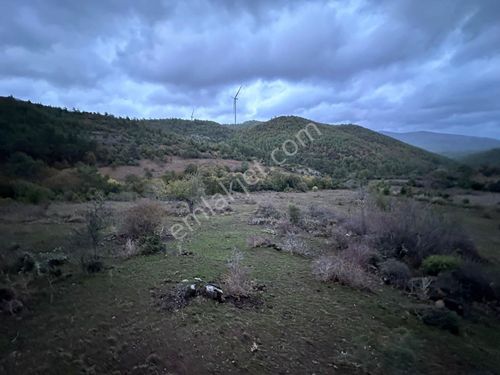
(490, 158)
(56, 135)
(59, 135)
(340, 150)
(451, 145)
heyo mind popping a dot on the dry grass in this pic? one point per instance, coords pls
(236, 281)
(130, 249)
(340, 269)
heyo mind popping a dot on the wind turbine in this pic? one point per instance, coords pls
(235, 98)
(192, 115)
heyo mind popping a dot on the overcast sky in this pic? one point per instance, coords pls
(398, 65)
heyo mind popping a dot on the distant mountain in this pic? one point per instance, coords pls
(490, 158)
(451, 145)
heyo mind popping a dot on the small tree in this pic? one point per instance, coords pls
(95, 222)
(189, 190)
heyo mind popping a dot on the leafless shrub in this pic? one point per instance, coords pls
(360, 253)
(420, 286)
(340, 238)
(284, 227)
(267, 210)
(142, 220)
(295, 245)
(322, 214)
(409, 231)
(237, 281)
(339, 269)
(319, 221)
(358, 223)
(395, 273)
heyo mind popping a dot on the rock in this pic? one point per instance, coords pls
(191, 291)
(213, 292)
(439, 304)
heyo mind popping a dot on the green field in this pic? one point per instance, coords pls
(112, 322)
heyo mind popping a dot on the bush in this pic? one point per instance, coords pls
(339, 238)
(322, 214)
(411, 232)
(294, 214)
(142, 220)
(434, 264)
(22, 165)
(191, 169)
(236, 281)
(29, 192)
(151, 244)
(338, 268)
(442, 318)
(91, 264)
(361, 254)
(395, 272)
(268, 211)
(295, 245)
(189, 190)
(477, 282)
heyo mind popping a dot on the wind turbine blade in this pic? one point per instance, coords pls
(236, 96)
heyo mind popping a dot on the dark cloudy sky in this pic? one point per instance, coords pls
(395, 65)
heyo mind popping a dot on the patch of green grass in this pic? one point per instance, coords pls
(109, 321)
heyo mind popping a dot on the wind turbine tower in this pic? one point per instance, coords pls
(235, 98)
(192, 115)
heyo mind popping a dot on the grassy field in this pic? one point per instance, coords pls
(112, 322)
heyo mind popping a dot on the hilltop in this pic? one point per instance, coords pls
(339, 150)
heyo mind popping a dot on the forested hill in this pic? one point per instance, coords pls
(338, 150)
(56, 135)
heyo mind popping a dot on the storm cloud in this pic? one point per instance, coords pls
(387, 65)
